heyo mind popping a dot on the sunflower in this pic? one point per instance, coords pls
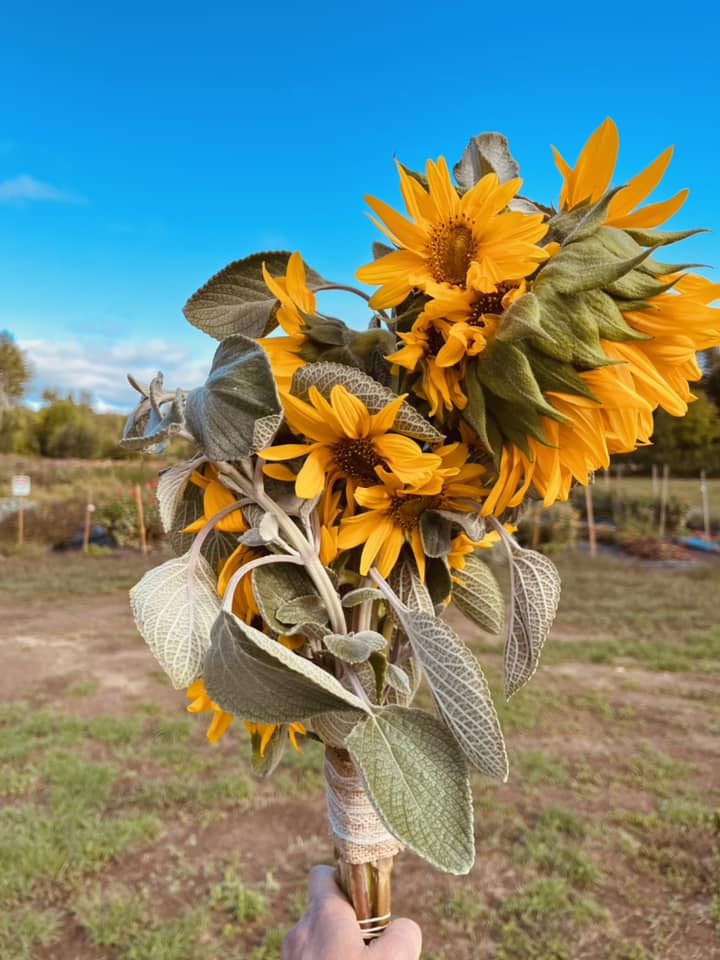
(201, 703)
(244, 604)
(215, 498)
(296, 301)
(453, 243)
(392, 511)
(590, 178)
(440, 386)
(348, 442)
(262, 734)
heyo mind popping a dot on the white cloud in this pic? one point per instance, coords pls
(101, 370)
(24, 187)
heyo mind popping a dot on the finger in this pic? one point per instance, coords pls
(322, 884)
(401, 941)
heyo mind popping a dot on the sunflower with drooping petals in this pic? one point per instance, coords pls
(262, 734)
(296, 300)
(591, 177)
(201, 703)
(453, 243)
(216, 498)
(350, 443)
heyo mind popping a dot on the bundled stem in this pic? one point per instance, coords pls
(364, 849)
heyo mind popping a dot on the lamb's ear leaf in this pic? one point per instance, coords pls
(257, 678)
(416, 778)
(237, 411)
(237, 299)
(175, 606)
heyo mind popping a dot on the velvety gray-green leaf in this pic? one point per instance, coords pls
(255, 677)
(277, 585)
(237, 300)
(459, 690)
(477, 595)
(238, 410)
(535, 585)
(354, 647)
(416, 778)
(175, 606)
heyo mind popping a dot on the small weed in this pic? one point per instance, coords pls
(540, 921)
(549, 845)
(114, 730)
(83, 688)
(536, 766)
(463, 909)
(24, 929)
(243, 903)
(271, 945)
(714, 913)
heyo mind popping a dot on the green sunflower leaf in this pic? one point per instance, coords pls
(477, 595)
(535, 588)
(475, 413)
(660, 238)
(236, 300)
(506, 372)
(255, 677)
(354, 598)
(237, 411)
(460, 691)
(325, 376)
(158, 417)
(175, 606)
(264, 764)
(520, 320)
(416, 778)
(435, 533)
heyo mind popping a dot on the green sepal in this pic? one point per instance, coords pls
(438, 579)
(660, 238)
(638, 286)
(517, 424)
(558, 376)
(475, 413)
(608, 318)
(584, 265)
(507, 373)
(522, 319)
(435, 534)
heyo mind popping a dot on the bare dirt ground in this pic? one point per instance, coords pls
(603, 844)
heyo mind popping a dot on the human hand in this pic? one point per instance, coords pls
(328, 930)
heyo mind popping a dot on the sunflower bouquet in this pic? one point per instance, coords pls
(347, 484)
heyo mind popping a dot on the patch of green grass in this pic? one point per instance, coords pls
(23, 929)
(165, 793)
(242, 902)
(552, 844)
(696, 653)
(23, 731)
(528, 709)
(630, 951)
(83, 688)
(537, 767)
(461, 911)
(271, 945)
(714, 913)
(56, 575)
(654, 770)
(541, 921)
(114, 730)
(124, 924)
(680, 841)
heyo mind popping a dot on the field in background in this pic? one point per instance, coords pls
(125, 836)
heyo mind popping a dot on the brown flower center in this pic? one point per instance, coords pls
(357, 458)
(435, 340)
(487, 303)
(405, 511)
(451, 252)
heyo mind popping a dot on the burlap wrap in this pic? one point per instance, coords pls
(359, 834)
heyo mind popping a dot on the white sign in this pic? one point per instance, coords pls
(20, 485)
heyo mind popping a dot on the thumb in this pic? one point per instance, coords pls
(401, 941)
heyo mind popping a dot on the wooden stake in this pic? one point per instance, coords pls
(705, 503)
(141, 519)
(589, 510)
(86, 524)
(654, 475)
(21, 521)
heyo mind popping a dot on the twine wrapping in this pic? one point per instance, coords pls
(360, 836)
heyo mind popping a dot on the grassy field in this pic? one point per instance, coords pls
(125, 836)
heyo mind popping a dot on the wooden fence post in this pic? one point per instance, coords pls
(664, 498)
(141, 519)
(590, 512)
(705, 503)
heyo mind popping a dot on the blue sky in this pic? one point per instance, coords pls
(144, 146)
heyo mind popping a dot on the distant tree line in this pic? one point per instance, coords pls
(68, 427)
